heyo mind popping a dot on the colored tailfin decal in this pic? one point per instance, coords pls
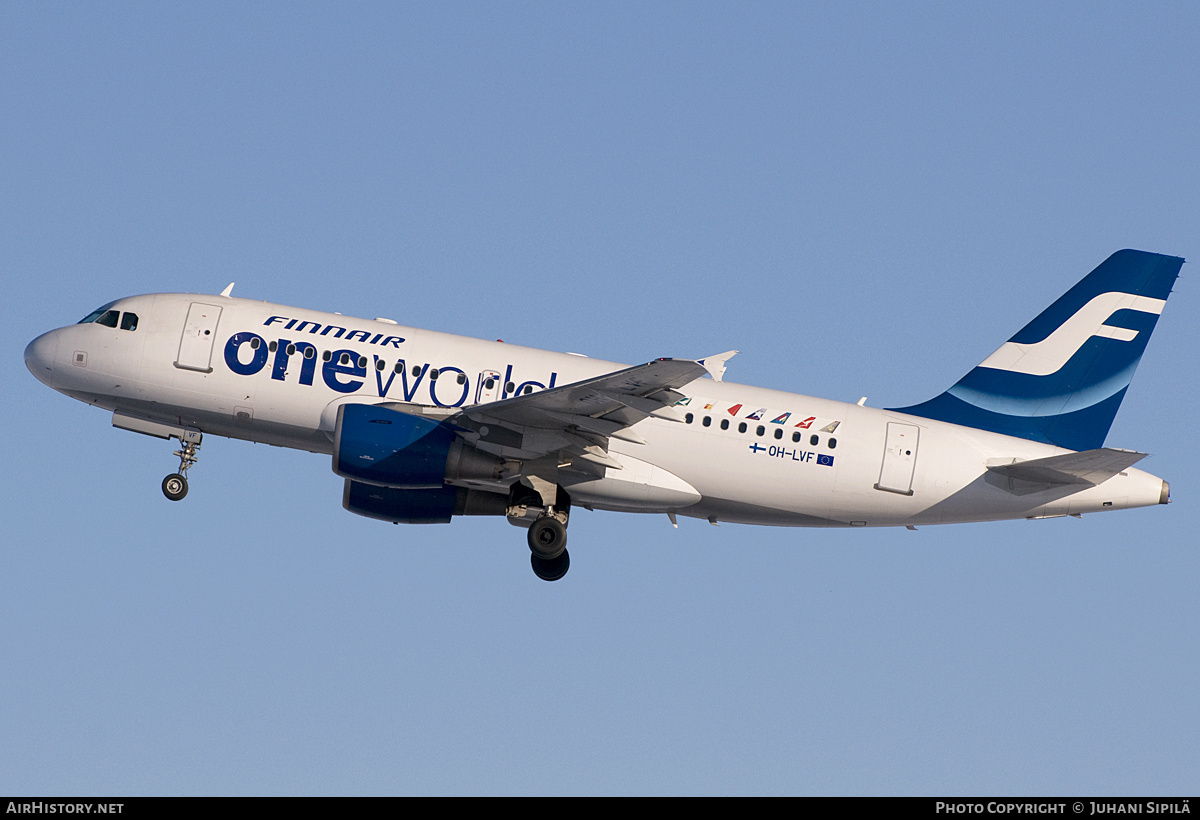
(1061, 379)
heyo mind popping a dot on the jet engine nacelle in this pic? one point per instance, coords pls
(428, 506)
(386, 448)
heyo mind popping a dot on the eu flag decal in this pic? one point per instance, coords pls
(825, 461)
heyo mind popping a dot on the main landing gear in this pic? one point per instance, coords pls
(549, 507)
(175, 486)
(548, 548)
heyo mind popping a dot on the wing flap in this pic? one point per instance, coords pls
(576, 414)
(645, 390)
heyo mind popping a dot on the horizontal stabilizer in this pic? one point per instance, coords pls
(1090, 467)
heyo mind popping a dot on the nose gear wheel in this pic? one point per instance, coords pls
(175, 486)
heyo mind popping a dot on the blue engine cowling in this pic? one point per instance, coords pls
(396, 466)
(429, 506)
(433, 506)
(387, 448)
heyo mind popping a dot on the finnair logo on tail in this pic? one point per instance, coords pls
(1049, 355)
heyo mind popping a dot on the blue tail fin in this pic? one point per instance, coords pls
(1061, 379)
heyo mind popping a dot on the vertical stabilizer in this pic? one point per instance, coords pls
(1061, 378)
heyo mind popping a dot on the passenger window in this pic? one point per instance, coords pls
(310, 352)
(795, 437)
(707, 421)
(327, 355)
(462, 378)
(129, 321)
(398, 368)
(760, 430)
(778, 432)
(742, 427)
(832, 443)
(108, 319)
(433, 373)
(272, 345)
(362, 361)
(814, 440)
(724, 424)
(689, 418)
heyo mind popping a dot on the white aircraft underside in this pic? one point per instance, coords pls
(426, 425)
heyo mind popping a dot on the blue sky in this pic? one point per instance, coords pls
(864, 198)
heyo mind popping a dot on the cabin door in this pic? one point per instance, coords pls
(899, 459)
(199, 333)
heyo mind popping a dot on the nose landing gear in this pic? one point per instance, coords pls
(175, 486)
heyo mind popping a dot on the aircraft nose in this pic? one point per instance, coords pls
(39, 357)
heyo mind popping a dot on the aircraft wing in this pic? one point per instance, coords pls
(578, 418)
(1089, 467)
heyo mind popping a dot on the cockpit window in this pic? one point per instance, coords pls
(96, 314)
(109, 318)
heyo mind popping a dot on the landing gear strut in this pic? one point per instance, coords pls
(175, 486)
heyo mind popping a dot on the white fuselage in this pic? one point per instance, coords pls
(193, 361)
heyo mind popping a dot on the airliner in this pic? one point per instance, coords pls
(423, 426)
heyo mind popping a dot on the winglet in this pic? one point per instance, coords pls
(715, 365)
(228, 290)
